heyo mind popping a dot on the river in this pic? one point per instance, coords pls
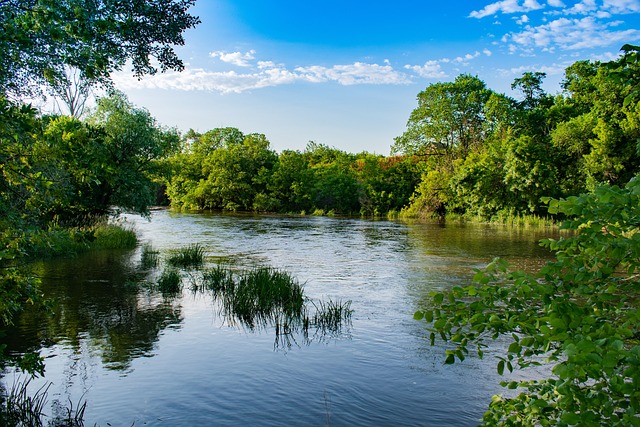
(140, 358)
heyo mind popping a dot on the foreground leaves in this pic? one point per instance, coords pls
(578, 316)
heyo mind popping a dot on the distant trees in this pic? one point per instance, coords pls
(491, 156)
(227, 170)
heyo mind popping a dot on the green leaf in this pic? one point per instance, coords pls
(501, 367)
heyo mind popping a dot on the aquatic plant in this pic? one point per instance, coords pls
(330, 315)
(170, 281)
(149, 257)
(19, 408)
(189, 256)
(218, 279)
(262, 293)
(114, 236)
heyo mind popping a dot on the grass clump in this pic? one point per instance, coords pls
(264, 291)
(170, 281)
(330, 315)
(19, 408)
(218, 279)
(149, 257)
(189, 256)
(114, 236)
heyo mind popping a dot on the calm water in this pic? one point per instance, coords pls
(138, 358)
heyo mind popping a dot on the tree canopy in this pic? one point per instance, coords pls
(39, 38)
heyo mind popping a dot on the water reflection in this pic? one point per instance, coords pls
(98, 303)
(206, 369)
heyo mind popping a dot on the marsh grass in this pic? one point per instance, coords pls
(189, 256)
(21, 408)
(149, 258)
(265, 296)
(331, 315)
(114, 236)
(170, 281)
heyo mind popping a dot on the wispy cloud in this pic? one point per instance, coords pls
(583, 24)
(570, 34)
(507, 6)
(265, 74)
(236, 58)
(433, 69)
(430, 70)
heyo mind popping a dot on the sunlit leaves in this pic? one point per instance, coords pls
(578, 316)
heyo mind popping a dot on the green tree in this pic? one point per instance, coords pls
(39, 38)
(449, 119)
(133, 143)
(578, 316)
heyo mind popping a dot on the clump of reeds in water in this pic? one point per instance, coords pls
(114, 236)
(18, 407)
(330, 315)
(189, 256)
(170, 281)
(260, 295)
(266, 296)
(149, 257)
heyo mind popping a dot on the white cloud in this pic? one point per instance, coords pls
(466, 58)
(555, 3)
(267, 74)
(430, 70)
(487, 52)
(236, 58)
(356, 73)
(522, 20)
(620, 7)
(506, 6)
(570, 34)
(549, 70)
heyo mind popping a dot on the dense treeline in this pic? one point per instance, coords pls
(490, 156)
(467, 151)
(226, 170)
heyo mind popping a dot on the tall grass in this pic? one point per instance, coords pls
(19, 408)
(189, 256)
(330, 315)
(170, 281)
(149, 258)
(114, 236)
(266, 296)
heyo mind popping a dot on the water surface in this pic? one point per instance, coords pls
(140, 358)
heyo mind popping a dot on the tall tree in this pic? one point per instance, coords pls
(39, 38)
(449, 118)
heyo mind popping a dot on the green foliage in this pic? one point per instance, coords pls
(189, 256)
(578, 316)
(39, 38)
(170, 282)
(486, 154)
(114, 236)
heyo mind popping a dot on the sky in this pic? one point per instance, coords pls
(347, 73)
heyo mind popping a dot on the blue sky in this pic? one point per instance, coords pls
(346, 73)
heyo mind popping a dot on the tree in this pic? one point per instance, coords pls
(577, 317)
(449, 118)
(530, 84)
(133, 142)
(39, 38)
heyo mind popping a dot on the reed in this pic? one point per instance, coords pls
(170, 281)
(149, 258)
(114, 236)
(189, 256)
(330, 315)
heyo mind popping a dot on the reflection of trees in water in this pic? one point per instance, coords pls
(98, 298)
